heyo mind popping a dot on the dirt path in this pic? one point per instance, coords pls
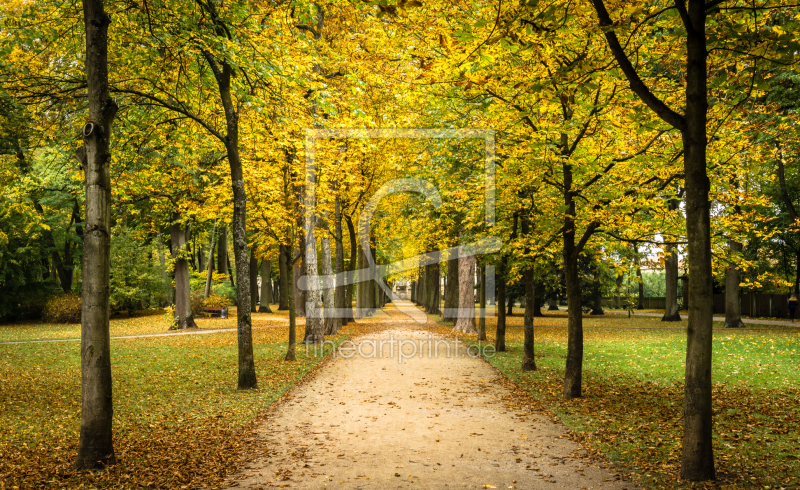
(420, 419)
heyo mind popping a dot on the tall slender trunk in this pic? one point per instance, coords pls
(253, 270)
(210, 272)
(223, 73)
(698, 457)
(351, 274)
(183, 298)
(528, 359)
(500, 337)
(671, 313)
(361, 285)
(283, 277)
(340, 295)
(482, 302)
(330, 325)
(573, 372)
(291, 350)
(222, 250)
(297, 271)
(638, 261)
(95, 448)
(733, 310)
(266, 286)
(313, 331)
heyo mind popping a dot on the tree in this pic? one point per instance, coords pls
(96, 448)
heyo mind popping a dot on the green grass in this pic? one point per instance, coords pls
(633, 395)
(151, 323)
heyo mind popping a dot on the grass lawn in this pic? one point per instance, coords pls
(148, 322)
(633, 396)
(178, 418)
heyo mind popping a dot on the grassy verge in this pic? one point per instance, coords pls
(144, 324)
(633, 395)
(178, 418)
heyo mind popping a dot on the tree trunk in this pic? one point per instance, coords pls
(573, 371)
(698, 457)
(95, 449)
(266, 287)
(500, 337)
(210, 272)
(482, 302)
(313, 331)
(733, 310)
(553, 303)
(223, 73)
(638, 261)
(253, 281)
(423, 289)
(291, 350)
(351, 274)
(671, 313)
(465, 320)
(432, 283)
(183, 298)
(283, 277)
(451, 290)
(528, 360)
(685, 291)
(222, 250)
(511, 300)
(329, 326)
(597, 298)
(297, 272)
(340, 293)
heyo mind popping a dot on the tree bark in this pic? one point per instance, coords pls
(183, 294)
(500, 337)
(329, 326)
(671, 313)
(291, 350)
(465, 320)
(482, 302)
(223, 73)
(351, 274)
(638, 261)
(283, 277)
(733, 310)
(222, 250)
(253, 281)
(297, 272)
(210, 272)
(340, 294)
(95, 448)
(528, 359)
(313, 331)
(451, 290)
(697, 461)
(432, 283)
(266, 287)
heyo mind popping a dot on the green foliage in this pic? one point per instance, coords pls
(135, 276)
(63, 308)
(226, 290)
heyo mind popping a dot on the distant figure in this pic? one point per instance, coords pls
(792, 306)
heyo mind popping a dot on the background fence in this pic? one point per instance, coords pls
(753, 304)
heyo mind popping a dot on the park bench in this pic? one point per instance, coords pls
(213, 311)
